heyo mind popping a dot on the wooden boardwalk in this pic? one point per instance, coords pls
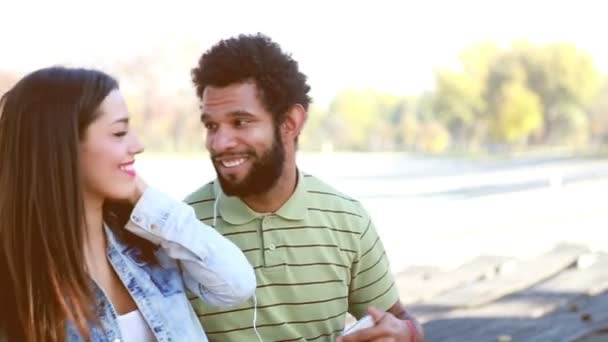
(560, 296)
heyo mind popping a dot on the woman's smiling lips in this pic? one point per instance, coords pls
(128, 168)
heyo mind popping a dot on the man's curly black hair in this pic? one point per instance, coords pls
(254, 57)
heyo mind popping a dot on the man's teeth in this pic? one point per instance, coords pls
(233, 163)
(127, 168)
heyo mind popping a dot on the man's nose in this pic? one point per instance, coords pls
(223, 139)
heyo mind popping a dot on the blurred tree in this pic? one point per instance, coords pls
(317, 132)
(459, 99)
(569, 126)
(537, 93)
(432, 137)
(566, 81)
(458, 103)
(164, 110)
(409, 124)
(384, 129)
(363, 119)
(514, 111)
(598, 118)
(518, 113)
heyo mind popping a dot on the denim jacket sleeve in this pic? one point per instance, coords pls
(212, 267)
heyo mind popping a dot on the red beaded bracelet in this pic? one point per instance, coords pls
(412, 329)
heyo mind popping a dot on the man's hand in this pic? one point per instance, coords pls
(140, 188)
(388, 328)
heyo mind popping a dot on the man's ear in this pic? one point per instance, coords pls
(294, 122)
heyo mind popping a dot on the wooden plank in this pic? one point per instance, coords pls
(523, 275)
(596, 336)
(423, 283)
(511, 313)
(567, 324)
(546, 296)
(418, 273)
(411, 280)
(564, 325)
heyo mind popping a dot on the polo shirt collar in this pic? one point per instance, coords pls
(236, 212)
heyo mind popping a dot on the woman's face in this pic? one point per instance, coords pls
(107, 152)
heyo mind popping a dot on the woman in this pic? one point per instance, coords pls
(87, 250)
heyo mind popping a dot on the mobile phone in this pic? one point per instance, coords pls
(365, 322)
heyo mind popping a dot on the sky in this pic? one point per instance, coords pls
(391, 46)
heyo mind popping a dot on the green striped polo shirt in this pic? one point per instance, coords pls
(315, 259)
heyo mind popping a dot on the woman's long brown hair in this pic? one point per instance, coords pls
(45, 285)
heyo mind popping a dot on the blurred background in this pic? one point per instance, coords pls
(465, 127)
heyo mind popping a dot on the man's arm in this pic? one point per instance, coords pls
(398, 310)
(372, 284)
(390, 325)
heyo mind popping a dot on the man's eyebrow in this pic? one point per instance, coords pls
(236, 113)
(240, 113)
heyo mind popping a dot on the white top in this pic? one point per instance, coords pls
(133, 328)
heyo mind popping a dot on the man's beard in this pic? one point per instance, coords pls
(263, 174)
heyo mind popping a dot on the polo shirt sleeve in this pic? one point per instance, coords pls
(372, 282)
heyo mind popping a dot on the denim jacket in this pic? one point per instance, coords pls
(191, 255)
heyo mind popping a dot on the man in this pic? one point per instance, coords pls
(315, 251)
